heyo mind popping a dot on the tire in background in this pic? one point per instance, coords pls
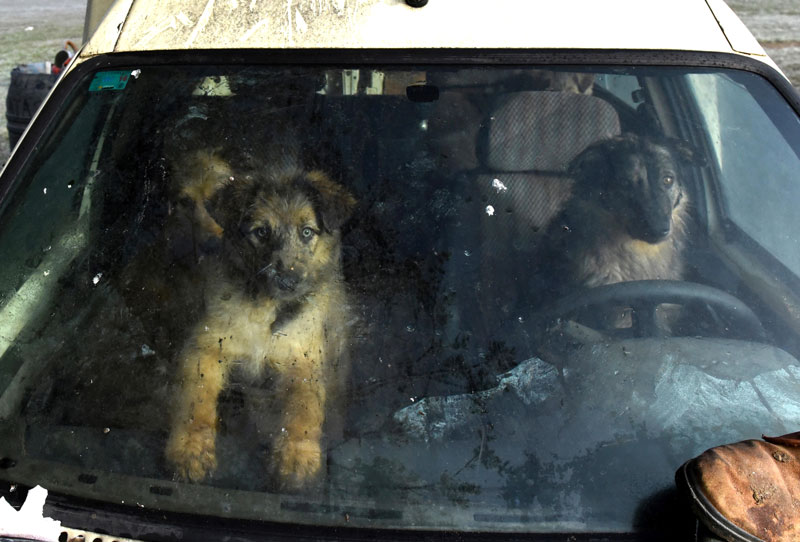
(26, 92)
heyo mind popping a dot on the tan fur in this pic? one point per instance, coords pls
(574, 82)
(627, 219)
(304, 352)
(611, 255)
(198, 176)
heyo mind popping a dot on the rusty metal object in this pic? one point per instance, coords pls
(747, 491)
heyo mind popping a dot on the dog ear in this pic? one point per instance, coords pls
(228, 205)
(336, 203)
(686, 152)
(593, 166)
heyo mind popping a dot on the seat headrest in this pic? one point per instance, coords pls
(545, 130)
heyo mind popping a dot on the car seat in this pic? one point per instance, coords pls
(524, 150)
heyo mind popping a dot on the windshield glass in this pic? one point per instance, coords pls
(428, 297)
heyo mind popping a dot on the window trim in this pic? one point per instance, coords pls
(365, 57)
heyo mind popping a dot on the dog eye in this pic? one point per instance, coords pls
(261, 232)
(307, 232)
(669, 180)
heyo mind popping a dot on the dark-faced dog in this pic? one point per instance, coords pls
(275, 305)
(627, 218)
(197, 177)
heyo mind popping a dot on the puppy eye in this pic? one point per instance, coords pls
(307, 232)
(669, 180)
(261, 232)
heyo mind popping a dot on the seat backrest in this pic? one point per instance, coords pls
(510, 188)
(525, 150)
(528, 143)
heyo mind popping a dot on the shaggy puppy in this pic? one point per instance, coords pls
(197, 176)
(275, 305)
(627, 218)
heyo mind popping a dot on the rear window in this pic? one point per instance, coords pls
(481, 299)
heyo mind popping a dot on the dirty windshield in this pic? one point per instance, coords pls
(429, 297)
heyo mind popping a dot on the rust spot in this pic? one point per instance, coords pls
(768, 522)
(760, 494)
(781, 456)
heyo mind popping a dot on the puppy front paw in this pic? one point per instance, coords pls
(192, 453)
(298, 461)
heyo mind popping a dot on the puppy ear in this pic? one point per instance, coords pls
(229, 204)
(336, 203)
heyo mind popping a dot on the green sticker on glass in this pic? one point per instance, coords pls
(116, 80)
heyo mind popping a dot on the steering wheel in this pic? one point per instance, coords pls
(725, 311)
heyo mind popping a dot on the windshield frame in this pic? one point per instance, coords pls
(364, 58)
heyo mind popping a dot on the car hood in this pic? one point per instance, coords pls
(139, 25)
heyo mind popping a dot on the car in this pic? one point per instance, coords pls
(329, 269)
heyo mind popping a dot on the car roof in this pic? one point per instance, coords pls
(692, 25)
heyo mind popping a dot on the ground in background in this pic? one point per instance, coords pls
(33, 31)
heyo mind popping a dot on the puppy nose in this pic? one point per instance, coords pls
(285, 276)
(286, 282)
